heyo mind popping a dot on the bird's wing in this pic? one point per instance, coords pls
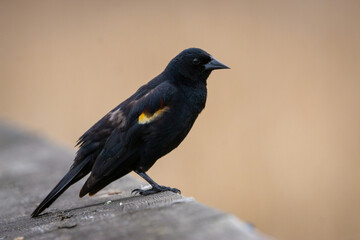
(125, 115)
(148, 104)
(129, 120)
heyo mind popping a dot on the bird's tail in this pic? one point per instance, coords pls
(75, 174)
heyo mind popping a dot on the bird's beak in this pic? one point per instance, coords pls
(215, 64)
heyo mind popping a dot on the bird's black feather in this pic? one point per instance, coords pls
(143, 128)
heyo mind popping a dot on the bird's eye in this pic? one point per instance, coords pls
(196, 61)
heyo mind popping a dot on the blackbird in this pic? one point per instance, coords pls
(142, 129)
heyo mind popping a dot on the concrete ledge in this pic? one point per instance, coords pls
(31, 165)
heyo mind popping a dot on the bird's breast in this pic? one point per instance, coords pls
(194, 97)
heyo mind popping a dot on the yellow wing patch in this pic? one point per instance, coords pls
(146, 117)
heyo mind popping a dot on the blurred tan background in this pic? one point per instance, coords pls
(279, 141)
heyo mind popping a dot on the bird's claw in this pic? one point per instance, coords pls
(135, 191)
(138, 190)
(145, 192)
(174, 190)
(155, 190)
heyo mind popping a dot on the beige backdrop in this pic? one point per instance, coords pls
(278, 143)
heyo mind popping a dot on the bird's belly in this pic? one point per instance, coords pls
(163, 136)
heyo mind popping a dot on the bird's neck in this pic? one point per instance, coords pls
(194, 92)
(195, 95)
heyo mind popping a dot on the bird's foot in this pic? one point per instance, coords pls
(155, 189)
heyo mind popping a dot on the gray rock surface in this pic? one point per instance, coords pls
(31, 165)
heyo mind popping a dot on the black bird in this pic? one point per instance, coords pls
(143, 128)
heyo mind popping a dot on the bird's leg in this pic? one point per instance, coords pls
(155, 187)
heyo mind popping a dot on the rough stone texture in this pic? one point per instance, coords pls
(30, 166)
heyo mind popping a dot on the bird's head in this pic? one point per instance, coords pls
(193, 65)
